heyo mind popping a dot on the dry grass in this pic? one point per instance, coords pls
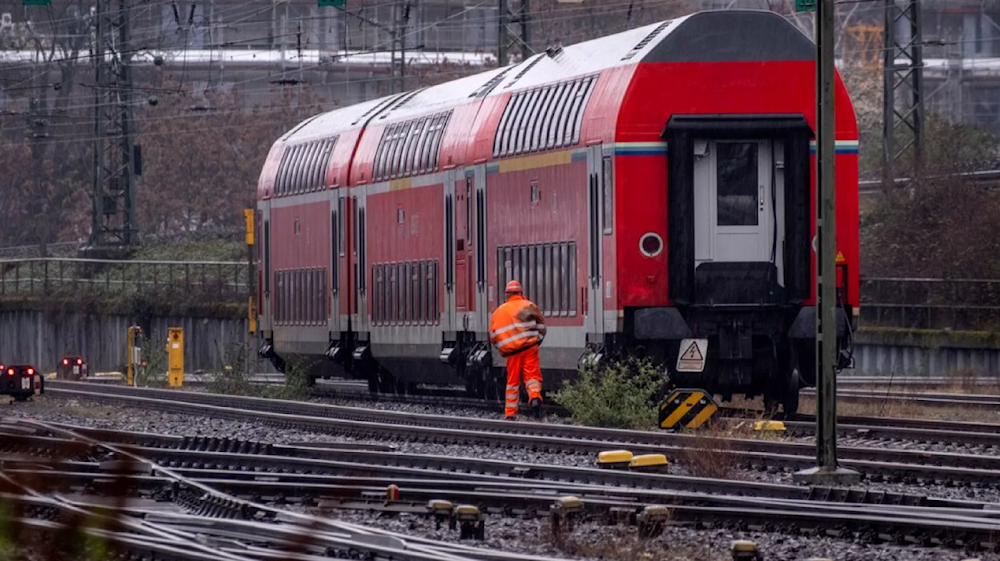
(709, 453)
(622, 543)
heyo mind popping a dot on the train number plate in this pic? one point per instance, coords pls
(26, 383)
(691, 357)
(76, 370)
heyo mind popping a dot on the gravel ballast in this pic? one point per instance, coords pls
(587, 541)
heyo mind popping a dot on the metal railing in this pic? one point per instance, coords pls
(217, 281)
(921, 303)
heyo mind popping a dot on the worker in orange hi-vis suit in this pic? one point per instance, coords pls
(517, 328)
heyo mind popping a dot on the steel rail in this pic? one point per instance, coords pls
(927, 466)
(335, 535)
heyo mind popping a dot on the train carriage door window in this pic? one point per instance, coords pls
(267, 258)
(433, 289)
(363, 257)
(608, 196)
(407, 294)
(572, 279)
(342, 228)
(449, 221)
(334, 245)
(413, 279)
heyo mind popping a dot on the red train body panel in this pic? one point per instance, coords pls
(647, 188)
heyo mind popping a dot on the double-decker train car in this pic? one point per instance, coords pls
(648, 188)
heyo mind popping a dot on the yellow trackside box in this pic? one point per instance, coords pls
(248, 217)
(175, 357)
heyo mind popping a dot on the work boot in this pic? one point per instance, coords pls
(536, 407)
(511, 418)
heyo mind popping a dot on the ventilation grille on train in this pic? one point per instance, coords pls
(410, 147)
(303, 167)
(543, 118)
(646, 40)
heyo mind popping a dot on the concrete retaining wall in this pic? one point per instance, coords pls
(899, 360)
(43, 338)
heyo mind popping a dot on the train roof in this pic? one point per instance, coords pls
(708, 36)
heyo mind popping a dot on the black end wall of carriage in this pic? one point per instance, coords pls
(680, 133)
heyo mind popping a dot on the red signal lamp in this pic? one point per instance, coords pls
(10, 371)
(79, 361)
(65, 361)
(31, 371)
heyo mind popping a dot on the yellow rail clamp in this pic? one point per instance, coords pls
(649, 462)
(771, 426)
(688, 408)
(745, 549)
(439, 506)
(614, 459)
(467, 513)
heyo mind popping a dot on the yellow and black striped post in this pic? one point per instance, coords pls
(688, 408)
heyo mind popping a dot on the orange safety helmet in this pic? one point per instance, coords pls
(514, 287)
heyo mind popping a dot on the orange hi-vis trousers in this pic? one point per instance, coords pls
(527, 362)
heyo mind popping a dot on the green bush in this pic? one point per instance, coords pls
(620, 395)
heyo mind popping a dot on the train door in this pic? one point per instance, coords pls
(451, 183)
(482, 313)
(739, 205)
(337, 258)
(464, 299)
(265, 313)
(594, 300)
(359, 306)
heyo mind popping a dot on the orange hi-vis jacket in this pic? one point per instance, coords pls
(516, 325)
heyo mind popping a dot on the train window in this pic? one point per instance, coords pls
(424, 146)
(498, 140)
(608, 194)
(736, 178)
(480, 239)
(569, 114)
(342, 224)
(545, 272)
(279, 177)
(406, 300)
(524, 123)
(559, 120)
(267, 258)
(536, 195)
(390, 316)
(302, 153)
(588, 84)
(363, 258)
(432, 287)
(414, 144)
(378, 171)
(416, 291)
(572, 278)
(558, 276)
(334, 243)
(515, 120)
(438, 135)
(449, 221)
(552, 116)
(309, 170)
(542, 116)
(354, 203)
(317, 312)
(324, 312)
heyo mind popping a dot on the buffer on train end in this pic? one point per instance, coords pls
(687, 408)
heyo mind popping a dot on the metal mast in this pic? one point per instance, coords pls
(514, 30)
(115, 155)
(903, 96)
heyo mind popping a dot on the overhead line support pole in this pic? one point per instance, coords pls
(827, 470)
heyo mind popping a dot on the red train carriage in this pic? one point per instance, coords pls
(647, 188)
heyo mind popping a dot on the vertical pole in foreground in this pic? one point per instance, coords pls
(827, 470)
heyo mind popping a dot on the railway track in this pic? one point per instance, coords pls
(877, 463)
(241, 486)
(209, 504)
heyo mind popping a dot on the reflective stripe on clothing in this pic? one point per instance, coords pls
(525, 363)
(515, 326)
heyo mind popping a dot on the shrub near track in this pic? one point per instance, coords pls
(620, 395)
